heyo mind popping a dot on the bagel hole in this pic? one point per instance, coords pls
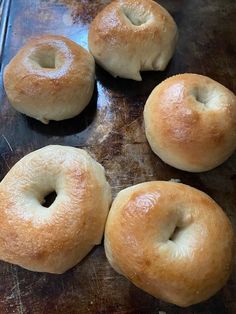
(135, 18)
(199, 97)
(208, 98)
(175, 234)
(46, 59)
(203, 97)
(49, 199)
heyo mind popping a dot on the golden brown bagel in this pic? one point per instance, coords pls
(56, 238)
(190, 122)
(50, 78)
(170, 240)
(129, 36)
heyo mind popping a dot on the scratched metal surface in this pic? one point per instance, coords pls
(111, 129)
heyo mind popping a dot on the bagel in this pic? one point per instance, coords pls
(50, 78)
(128, 36)
(190, 122)
(170, 240)
(56, 238)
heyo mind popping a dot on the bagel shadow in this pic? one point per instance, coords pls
(68, 126)
(51, 284)
(139, 300)
(129, 88)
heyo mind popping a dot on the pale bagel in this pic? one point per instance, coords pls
(170, 240)
(56, 238)
(128, 36)
(50, 78)
(190, 122)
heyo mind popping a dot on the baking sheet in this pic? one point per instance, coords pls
(111, 130)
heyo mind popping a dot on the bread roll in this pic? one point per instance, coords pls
(50, 78)
(190, 122)
(170, 240)
(56, 238)
(128, 36)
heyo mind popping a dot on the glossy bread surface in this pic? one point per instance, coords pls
(131, 36)
(170, 240)
(190, 122)
(50, 78)
(52, 239)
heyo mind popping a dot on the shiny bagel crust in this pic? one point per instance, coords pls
(56, 238)
(170, 240)
(50, 78)
(190, 122)
(129, 36)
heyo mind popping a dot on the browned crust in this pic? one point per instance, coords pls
(72, 225)
(185, 134)
(50, 93)
(116, 43)
(187, 271)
